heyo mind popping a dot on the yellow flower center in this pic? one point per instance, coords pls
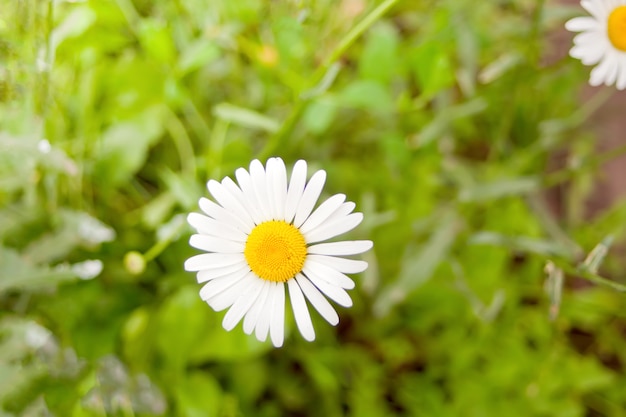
(275, 251)
(616, 28)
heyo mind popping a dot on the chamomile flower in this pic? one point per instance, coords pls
(262, 235)
(602, 41)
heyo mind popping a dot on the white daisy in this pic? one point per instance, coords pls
(263, 234)
(602, 40)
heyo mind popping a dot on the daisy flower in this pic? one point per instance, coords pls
(262, 235)
(602, 41)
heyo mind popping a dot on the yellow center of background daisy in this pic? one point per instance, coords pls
(275, 251)
(616, 28)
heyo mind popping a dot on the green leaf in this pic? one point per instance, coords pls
(17, 273)
(245, 117)
(73, 229)
(379, 60)
(183, 188)
(198, 395)
(290, 41)
(124, 146)
(520, 243)
(419, 264)
(443, 120)
(499, 188)
(199, 334)
(197, 54)
(432, 68)
(74, 25)
(499, 67)
(366, 94)
(319, 115)
(156, 39)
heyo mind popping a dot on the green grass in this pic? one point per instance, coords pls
(440, 119)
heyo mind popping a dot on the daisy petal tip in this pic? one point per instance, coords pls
(255, 163)
(278, 343)
(187, 267)
(308, 334)
(212, 183)
(194, 264)
(193, 240)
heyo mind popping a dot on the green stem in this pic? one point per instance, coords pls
(356, 32)
(215, 150)
(181, 140)
(280, 138)
(592, 105)
(585, 273)
(559, 177)
(161, 245)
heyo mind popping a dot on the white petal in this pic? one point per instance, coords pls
(295, 190)
(252, 316)
(334, 228)
(611, 76)
(245, 183)
(345, 209)
(218, 213)
(319, 271)
(310, 195)
(269, 186)
(243, 303)
(278, 184)
(599, 74)
(590, 37)
(216, 286)
(276, 187)
(236, 192)
(317, 300)
(215, 244)
(257, 174)
(209, 274)
(229, 295)
(595, 8)
(588, 55)
(347, 266)
(265, 314)
(335, 293)
(323, 212)
(300, 311)
(230, 203)
(209, 226)
(212, 260)
(581, 24)
(277, 323)
(346, 247)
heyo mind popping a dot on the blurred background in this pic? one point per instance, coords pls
(489, 175)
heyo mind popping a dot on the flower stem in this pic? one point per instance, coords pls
(584, 272)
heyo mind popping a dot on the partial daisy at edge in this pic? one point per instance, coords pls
(264, 238)
(601, 41)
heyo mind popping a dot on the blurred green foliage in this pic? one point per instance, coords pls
(441, 119)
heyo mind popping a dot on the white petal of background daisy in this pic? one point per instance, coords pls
(262, 235)
(602, 41)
